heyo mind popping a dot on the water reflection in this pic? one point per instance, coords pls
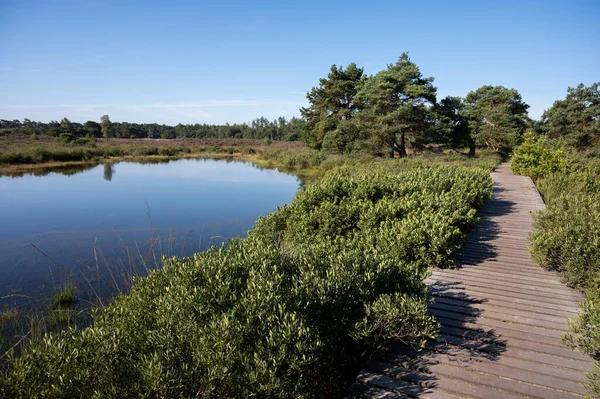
(108, 171)
(87, 226)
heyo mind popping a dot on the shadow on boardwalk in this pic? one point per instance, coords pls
(480, 246)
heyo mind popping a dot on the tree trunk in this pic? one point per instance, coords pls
(402, 148)
(471, 144)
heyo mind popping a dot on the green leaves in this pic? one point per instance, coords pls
(576, 119)
(397, 102)
(332, 102)
(534, 159)
(497, 116)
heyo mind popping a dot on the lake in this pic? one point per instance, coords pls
(99, 227)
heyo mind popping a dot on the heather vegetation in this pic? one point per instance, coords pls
(567, 237)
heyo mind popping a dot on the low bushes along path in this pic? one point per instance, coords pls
(501, 315)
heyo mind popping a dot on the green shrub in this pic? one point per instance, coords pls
(285, 312)
(84, 141)
(567, 237)
(64, 138)
(585, 328)
(535, 160)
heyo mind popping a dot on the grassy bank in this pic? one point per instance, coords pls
(567, 232)
(18, 157)
(286, 312)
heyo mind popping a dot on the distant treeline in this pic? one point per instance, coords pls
(260, 128)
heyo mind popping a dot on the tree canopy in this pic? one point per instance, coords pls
(576, 119)
(397, 104)
(497, 116)
(332, 102)
(396, 108)
(105, 125)
(260, 128)
(451, 125)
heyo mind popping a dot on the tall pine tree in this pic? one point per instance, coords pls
(332, 102)
(397, 105)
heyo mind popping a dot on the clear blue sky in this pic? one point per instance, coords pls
(233, 61)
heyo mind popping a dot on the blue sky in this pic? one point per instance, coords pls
(233, 61)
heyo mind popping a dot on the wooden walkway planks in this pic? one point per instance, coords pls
(502, 318)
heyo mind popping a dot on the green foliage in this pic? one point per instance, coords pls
(343, 140)
(332, 102)
(451, 126)
(396, 108)
(105, 125)
(397, 102)
(497, 116)
(64, 138)
(8, 315)
(567, 236)
(282, 313)
(260, 128)
(576, 119)
(63, 296)
(585, 328)
(534, 159)
(294, 158)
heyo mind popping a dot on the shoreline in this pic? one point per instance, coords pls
(17, 170)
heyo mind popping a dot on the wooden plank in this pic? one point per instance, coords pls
(464, 357)
(457, 320)
(499, 276)
(474, 307)
(463, 388)
(513, 351)
(492, 267)
(493, 368)
(518, 290)
(358, 390)
(542, 291)
(555, 349)
(508, 387)
(455, 292)
(505, 316)
(500, 333)
(392, 384)
(482, 289)
(549, 280)
(503, 263)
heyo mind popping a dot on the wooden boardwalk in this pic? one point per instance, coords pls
(501, 315)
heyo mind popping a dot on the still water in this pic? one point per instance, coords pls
(99, 227)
